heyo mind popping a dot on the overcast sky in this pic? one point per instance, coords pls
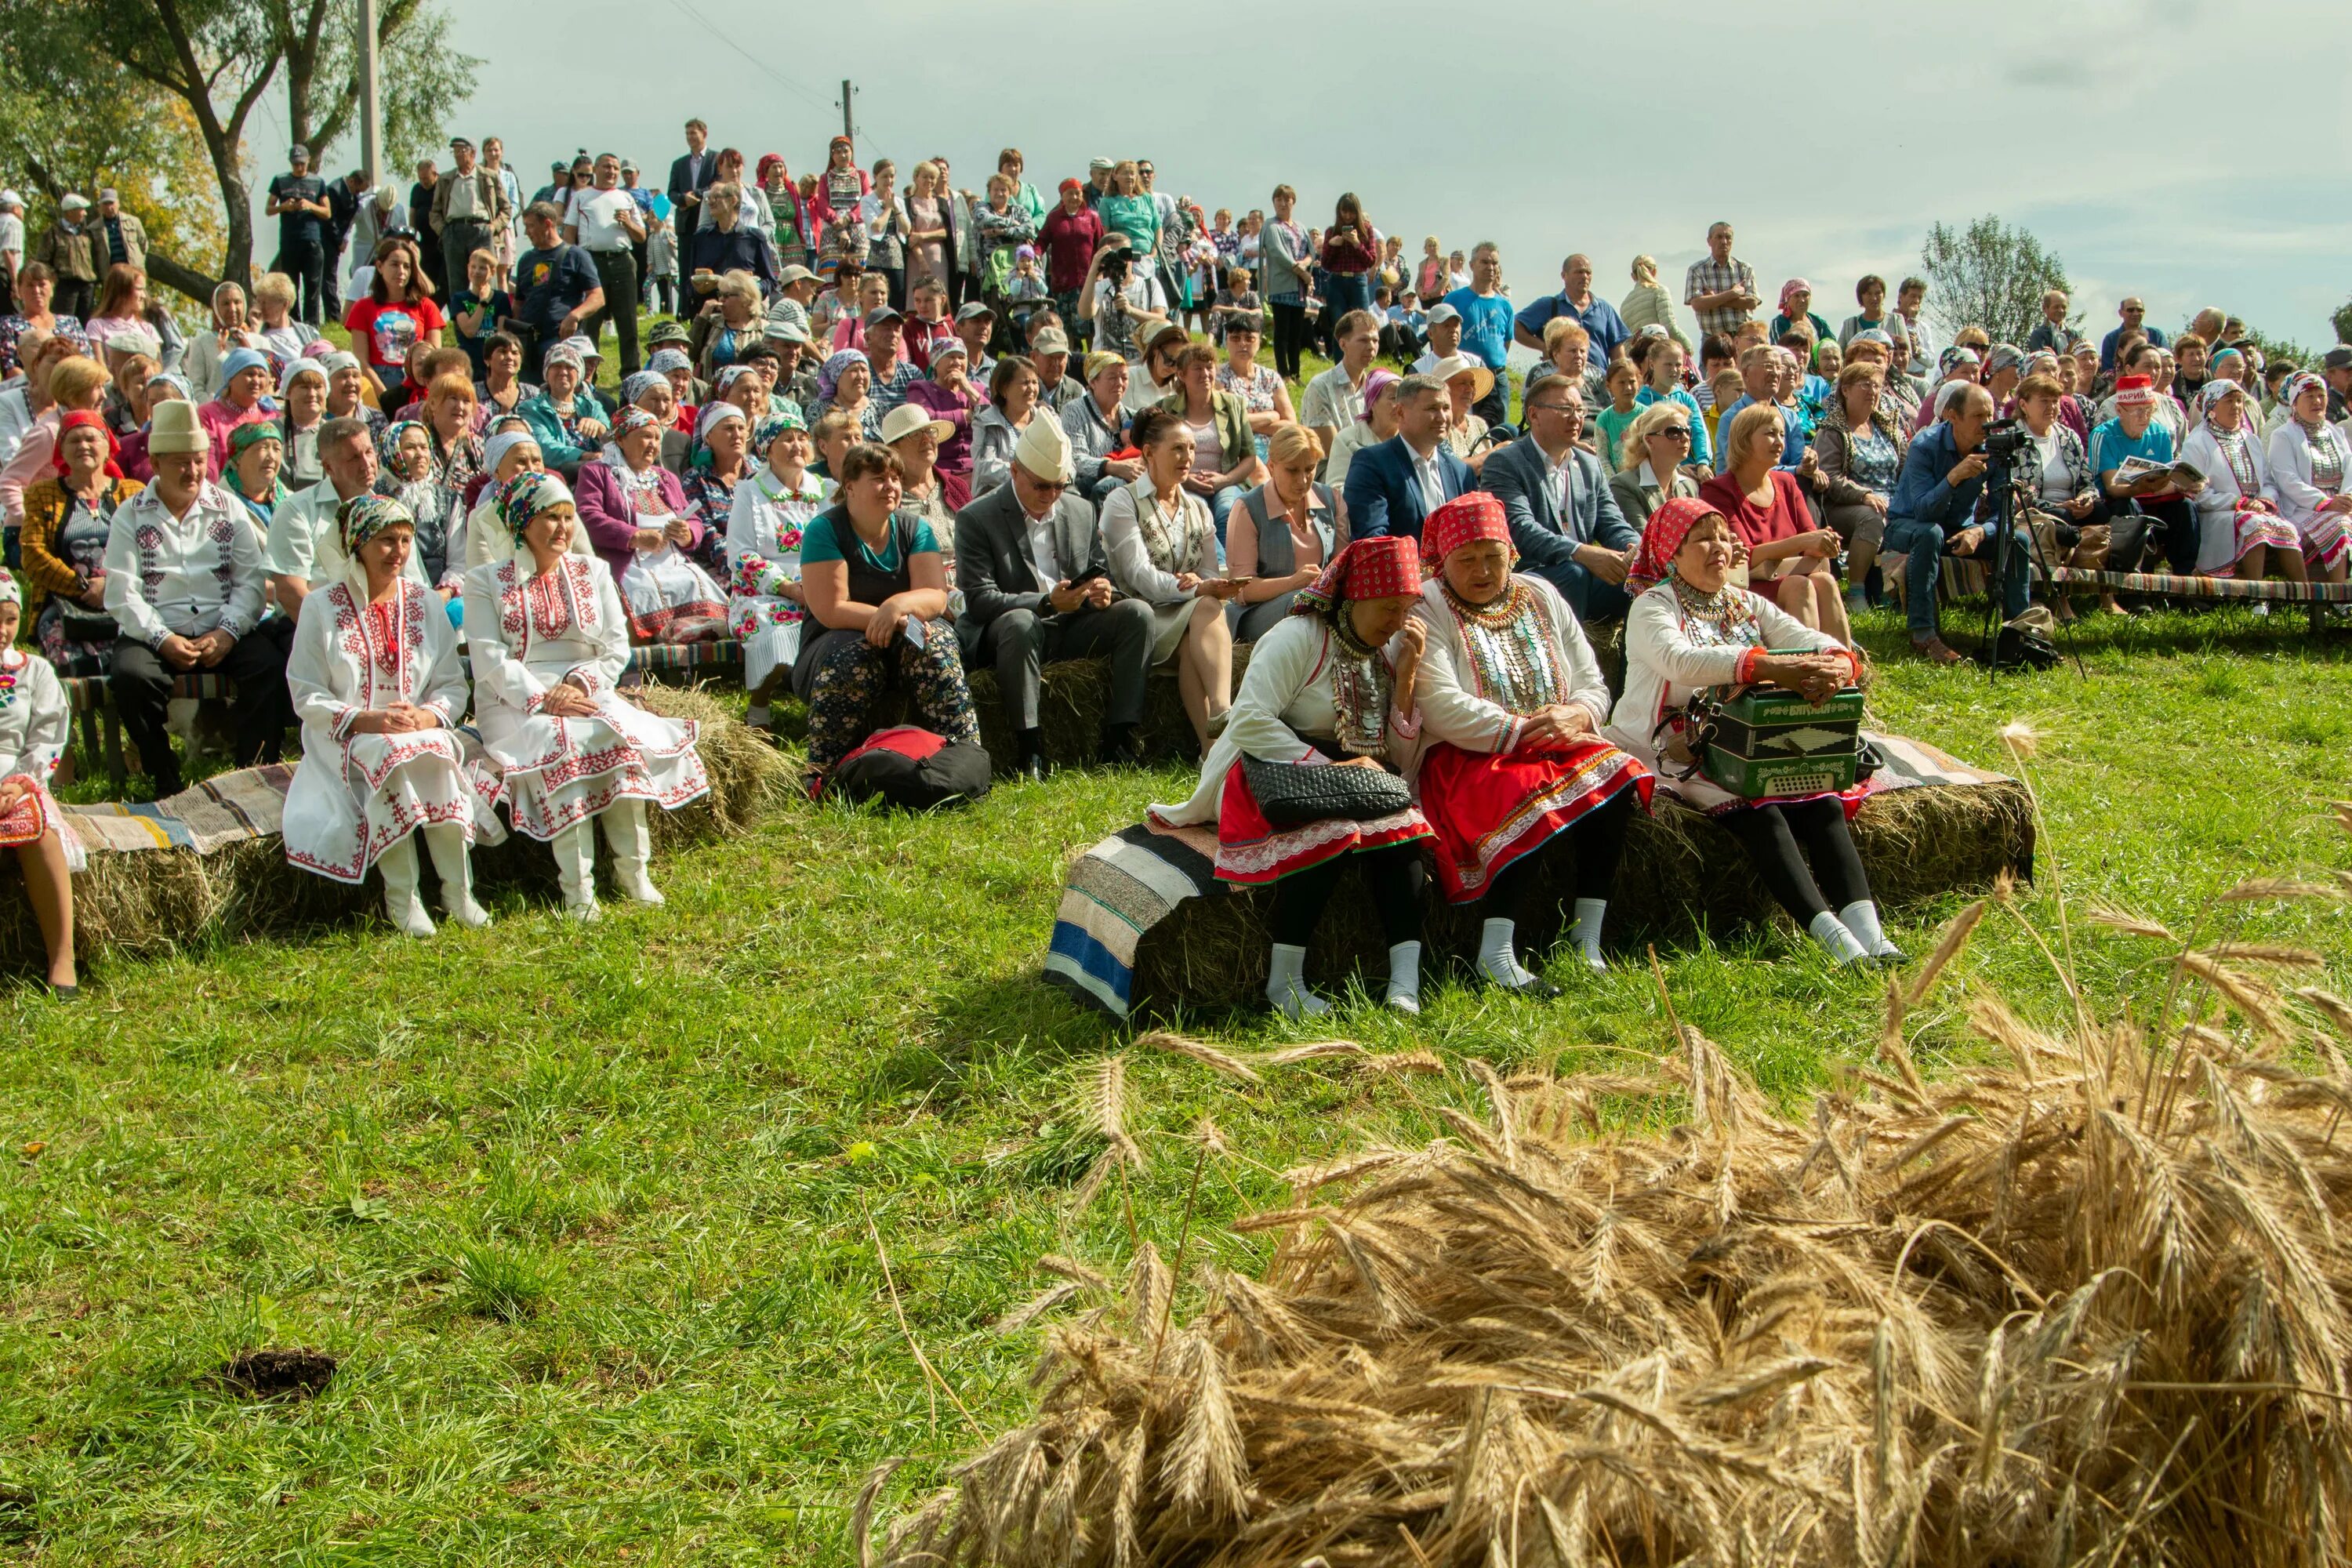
(2190, 151)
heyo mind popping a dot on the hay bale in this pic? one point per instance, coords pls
(154, 902)
(1682, 875)
(2086, 1306)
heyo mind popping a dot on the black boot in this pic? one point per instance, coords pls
(1030, 756)
(1119, 747)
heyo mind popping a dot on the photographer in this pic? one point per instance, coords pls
(1121, 302)
(1934, 513)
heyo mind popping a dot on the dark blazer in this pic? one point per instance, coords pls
(739, 250)
(1383, 496)
(681, 182)
(993, 566)
(1544, 538)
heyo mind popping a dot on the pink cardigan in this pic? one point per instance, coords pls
(609, 513)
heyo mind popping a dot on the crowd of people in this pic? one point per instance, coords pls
(876, 435)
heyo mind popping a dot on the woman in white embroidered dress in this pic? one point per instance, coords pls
(766, 604)
(377, 685)
(36, 722)
(1513, 770)
(2311, 469)
(549, 641)
(1694, 630)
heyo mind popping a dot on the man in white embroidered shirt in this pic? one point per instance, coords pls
(184, 584)
(305, 549)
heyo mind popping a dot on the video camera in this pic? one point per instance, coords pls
(2004, 440)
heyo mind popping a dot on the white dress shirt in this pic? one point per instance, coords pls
(1431, 479)
(188, 575)
(305, 541)
(1041, 548)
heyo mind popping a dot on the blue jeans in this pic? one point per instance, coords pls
(1221, 507)
(1922, 544)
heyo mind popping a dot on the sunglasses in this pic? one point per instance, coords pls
(1676, 432)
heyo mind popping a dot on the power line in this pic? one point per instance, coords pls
(779, 77)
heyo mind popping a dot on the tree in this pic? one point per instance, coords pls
(1989, 275)
(2342, 321)
(210, 61)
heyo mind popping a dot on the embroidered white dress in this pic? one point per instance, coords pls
(356, 795)
(528, 635)
(764, 553)
(36, 724)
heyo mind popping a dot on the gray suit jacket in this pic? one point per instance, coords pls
(993, 566)
(1545, 537)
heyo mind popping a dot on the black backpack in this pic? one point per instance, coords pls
(913, 769)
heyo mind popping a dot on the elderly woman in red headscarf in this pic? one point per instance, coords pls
(1693, 632)
(67, 516)
(794, 244)
(1514, 770)
(1328, 702)
(837, 208)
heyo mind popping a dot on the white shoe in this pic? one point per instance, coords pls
(630, 876)
(466, 913)
(397, 866)
(583, 909)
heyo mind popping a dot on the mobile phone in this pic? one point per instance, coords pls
(918, 631)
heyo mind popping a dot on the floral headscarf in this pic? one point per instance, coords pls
(2298, 383)
(9, 593)
(1661, 540)
(829, 376)
(636, 386)
(527, 495)
(364, 516)
(1790, 290)
(388, 446)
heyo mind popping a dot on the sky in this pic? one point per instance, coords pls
(2145, 142)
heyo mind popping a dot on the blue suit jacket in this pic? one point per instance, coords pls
(1383, 497)
(1544, 539)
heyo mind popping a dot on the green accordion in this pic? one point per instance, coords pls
(1767, 744)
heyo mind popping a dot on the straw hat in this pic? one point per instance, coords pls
(1482, 380)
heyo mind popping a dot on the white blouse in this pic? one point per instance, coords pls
(2300, 494)
(1188, 543)
(189, 574)
(763, 511)
(38, 723)
(1285, 694)
(1455, 675)
(1664, 664)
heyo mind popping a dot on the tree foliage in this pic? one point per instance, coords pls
(1989, 275)
(167, 87)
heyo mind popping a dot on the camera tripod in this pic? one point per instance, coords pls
(2006, 492)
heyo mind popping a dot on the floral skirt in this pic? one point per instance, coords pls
(671, 599)
(1254, 852)
(1491, 808)
(2251, 530)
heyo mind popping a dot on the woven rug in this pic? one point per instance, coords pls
(247, 803)
(1144, 877)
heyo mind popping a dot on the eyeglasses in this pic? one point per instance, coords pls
(1680, 434)
(1555, 408)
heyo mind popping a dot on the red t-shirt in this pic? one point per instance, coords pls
(1787, 516)
(383, 333)
(1070, 239)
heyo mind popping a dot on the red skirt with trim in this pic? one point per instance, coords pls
(1490, 808)
(1255, 852)
(24, 822)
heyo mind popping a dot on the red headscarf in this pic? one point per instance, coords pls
(1387, 567)
(1662, 539)
(76, 420)
(1463, 520)
(772, 161)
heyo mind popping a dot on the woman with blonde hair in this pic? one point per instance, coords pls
(1654, 450)
(729, 327)
(930, 229)
(1649, 304)
(1283, 534)
(78, 384)
(275, 330)
(1164, 550)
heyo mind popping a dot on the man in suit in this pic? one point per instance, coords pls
(1566, 526)
(1393, 486)
(1036, 589)
(690, 176)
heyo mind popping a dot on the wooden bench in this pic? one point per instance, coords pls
(2314, 596)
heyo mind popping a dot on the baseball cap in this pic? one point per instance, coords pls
(108, 194)
(298, 153)
(668, 332)
(627, 167)
(1443, 313)
(1050, 342)
(9, 198)
(457, 142)
(881, 313)
(1161, 334)
(1094, 164)
(784, 329)
(972, 310)
(2337, 358)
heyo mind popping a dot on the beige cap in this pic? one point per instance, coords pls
(174, 428)
(1044, 450)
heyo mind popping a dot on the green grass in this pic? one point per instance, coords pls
(596, 1219)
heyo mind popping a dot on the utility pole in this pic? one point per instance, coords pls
(371, 100)
(848, 128)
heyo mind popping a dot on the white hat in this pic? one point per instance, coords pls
(1044, 450)
(173, 427)
(908, 417)
(74, 202)
(9, 198)
(1482, 380)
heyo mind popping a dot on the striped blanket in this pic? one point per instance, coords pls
(1119, 889)
(247, 803)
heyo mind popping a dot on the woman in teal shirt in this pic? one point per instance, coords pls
(1130, 212)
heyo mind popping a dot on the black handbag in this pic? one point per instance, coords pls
(1291, 793)
(82, 624)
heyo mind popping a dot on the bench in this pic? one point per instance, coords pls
(2314, 596)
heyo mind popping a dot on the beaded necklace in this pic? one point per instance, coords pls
(1510, 648)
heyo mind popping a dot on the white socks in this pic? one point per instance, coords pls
(632, 840)
(1585, 932)
(398, 865)
(1404, 977)
(756, 716)
(575, 868)
(1286, 986)
(1862, 919)
(1838, 941)
(1495, 959)
(446, 843)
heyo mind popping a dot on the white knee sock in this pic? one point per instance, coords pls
(1836, 940)
(397, 866)
(447, 842)
(1404, 977)
(631, 836)
(1496, 959)
(1586, 931)
(575, 868)
(1862, 919)
(1286, 988)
